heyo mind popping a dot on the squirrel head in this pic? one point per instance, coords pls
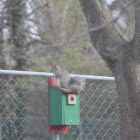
(57, 71)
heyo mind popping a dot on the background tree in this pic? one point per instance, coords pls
(121, 52)
(50, 38)
(2, 58)
(15, 20)
(16, 11)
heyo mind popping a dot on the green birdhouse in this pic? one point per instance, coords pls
(64, 108)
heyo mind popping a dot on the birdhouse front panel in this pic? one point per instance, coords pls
(64, 108)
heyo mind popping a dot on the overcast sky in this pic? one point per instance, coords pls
(109, 1)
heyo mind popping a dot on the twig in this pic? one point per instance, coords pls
(77, 36)
(36, 9)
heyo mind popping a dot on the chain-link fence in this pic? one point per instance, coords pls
(24, 108)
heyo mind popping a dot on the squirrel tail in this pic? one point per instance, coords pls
(77, 84)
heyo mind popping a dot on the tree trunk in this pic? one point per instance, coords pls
(128, 85)
(122, 55)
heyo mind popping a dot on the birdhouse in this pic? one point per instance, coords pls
(64, 107)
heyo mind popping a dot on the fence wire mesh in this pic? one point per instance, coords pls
(24, 110)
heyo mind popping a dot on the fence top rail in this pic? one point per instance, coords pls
(45, 74)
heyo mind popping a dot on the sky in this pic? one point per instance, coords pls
(109, 1)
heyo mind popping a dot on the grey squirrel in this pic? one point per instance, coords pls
(76, 84)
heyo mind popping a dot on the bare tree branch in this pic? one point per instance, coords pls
(37, 8)
(83, 33)
(78, 35)
(34, 41)
(29, 32)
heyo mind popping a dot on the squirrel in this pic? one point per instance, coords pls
(76, 84)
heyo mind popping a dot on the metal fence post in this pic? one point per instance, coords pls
(55, 136)
(0, 130)
(80, 131)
